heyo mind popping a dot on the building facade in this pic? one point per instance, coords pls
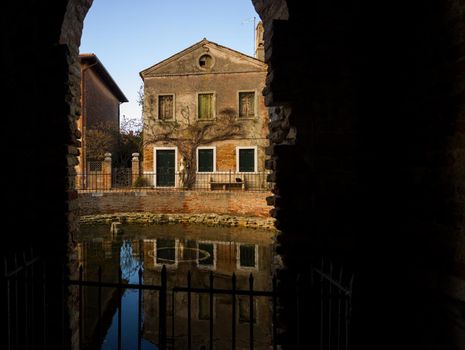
(205, 119)
(100, 101)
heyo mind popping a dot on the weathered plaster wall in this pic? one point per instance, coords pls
(229, 75)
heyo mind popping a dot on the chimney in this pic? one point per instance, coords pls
(259, 43)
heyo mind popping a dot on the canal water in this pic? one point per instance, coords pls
(204, 251)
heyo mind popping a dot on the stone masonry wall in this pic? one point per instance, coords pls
(187, 202)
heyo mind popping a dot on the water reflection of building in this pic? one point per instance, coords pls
(201, 257)
(182, 248)
(92, 254)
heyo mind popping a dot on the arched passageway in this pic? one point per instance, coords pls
(367, 113)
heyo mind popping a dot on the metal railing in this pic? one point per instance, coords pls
(325, 327)
(98, 181)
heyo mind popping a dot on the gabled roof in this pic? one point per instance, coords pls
(92, 60)
(249, 59)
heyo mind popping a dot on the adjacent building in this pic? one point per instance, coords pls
(100, 108)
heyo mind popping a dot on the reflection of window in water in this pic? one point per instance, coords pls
(244, 309)
(165, 251)
(247, 256)
(204, 306)
(206, 254)
(189, 253)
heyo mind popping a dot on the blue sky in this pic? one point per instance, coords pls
(131, 35)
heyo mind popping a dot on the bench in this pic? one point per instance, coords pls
(237, 182)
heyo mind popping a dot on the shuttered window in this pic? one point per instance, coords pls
(205, 160)
(246, 104)
(247, 255)
(166, 251)
(206, 254)
(246, 160)
(205, 106)
(165, 107)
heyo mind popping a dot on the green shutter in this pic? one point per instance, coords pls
(247, 160)
(205, 106)
(247, 255)
(205, 160)
(166, 168)
(166, 251)
(206, 254)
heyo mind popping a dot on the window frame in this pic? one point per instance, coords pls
(255, 148)
(213, 61)
(197, 159)
(155, 255)
(239, 104)
(197, 105)
(176, 167)
(238, 258)
(198, 307)
(158, 107)
(207, 267)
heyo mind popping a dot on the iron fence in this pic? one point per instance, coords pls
(326, 327)
(124, 180)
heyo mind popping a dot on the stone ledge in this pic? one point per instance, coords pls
(206, 219)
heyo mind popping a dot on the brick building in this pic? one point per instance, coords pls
(204, 113)
(100, 101)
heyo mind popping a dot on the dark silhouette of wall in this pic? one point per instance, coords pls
(367, 158)
(367, 106)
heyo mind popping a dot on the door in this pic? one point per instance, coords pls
(166, 167)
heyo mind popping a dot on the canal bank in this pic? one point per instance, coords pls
(170, 218)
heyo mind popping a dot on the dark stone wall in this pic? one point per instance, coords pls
(40, 78)
(368, 105)
(367, 149)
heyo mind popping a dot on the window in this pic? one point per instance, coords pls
(205, 61)
(206, 255)
(247, 104)
(205, 106)
(206, 160)
(246, 160)
(166, 107)
(204, 306)
(244, 310)
(166, 251)
(247, 256)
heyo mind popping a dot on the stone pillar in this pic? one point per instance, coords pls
(135, 168)
(106, 172)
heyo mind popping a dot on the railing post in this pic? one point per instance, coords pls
(99, 305)
(251, 313)
(229, 180)
(135, 168)
(81, 328)
(8, 296)
(189, 302)
(298, 292)
(106, 171)
(275, 318)
(211, 310)
(120, 296)
(139, 312)
(162, 309)
(233, 335)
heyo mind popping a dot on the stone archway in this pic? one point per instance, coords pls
(367, 132)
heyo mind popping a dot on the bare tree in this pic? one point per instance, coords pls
(189, 133)
(105, 137)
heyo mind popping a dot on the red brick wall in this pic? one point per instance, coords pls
(189, 202)
(101, 106)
